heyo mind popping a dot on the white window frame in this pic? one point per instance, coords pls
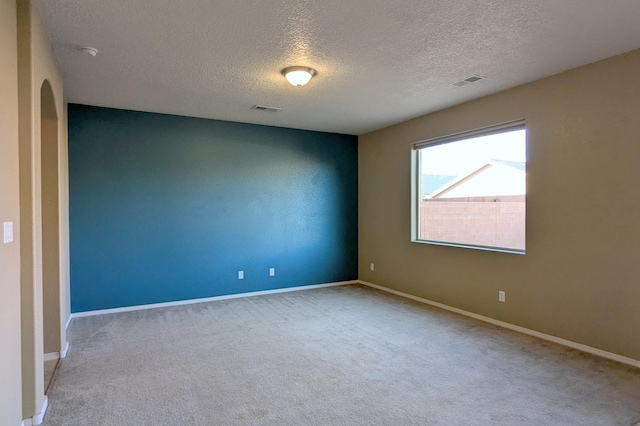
(416, 181)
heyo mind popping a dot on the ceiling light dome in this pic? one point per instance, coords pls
(298, 76)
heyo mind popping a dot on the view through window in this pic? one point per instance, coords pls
(472, 189)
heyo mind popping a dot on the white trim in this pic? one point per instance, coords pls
(208, 299)
(506, 126)
(57, 355)
(26, 422)
(66, 326)
(564, 342)
(39, 417)
(51, 356)
(64, 351)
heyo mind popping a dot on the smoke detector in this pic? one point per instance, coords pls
(91, 51)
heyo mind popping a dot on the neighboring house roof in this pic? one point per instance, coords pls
(432, 182)
(520, 165)
(492, 178)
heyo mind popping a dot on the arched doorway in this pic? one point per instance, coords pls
(41, 308)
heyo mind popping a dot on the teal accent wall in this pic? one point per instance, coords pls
(167, 208)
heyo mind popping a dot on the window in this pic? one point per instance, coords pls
(470, 189)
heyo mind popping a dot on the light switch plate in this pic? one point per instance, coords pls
(241, 275)
(8, 232)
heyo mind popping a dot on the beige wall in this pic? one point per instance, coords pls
(37, 64)
(50, 236)
(63, 211)
(10, 382)
(580, 277)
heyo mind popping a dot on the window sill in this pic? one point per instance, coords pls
(471, 246)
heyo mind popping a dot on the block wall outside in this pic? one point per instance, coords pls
(486, 223)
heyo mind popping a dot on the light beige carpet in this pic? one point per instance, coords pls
(335, 356)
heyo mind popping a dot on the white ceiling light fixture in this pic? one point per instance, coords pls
(91, 51)
(298, 76)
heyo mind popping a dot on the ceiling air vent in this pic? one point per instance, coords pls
(266, 108)
(468, 80)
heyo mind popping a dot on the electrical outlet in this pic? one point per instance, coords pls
(502, 296)
(272, 272)
(372, 266)
(8, 232)
(241, 275)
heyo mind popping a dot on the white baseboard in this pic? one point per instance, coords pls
(64, 351)
(568, 343)
(38, 418)
(57, 355)
(207, 299)
(66, 326)
(51, 356)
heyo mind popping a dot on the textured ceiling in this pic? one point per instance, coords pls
(379, 62)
